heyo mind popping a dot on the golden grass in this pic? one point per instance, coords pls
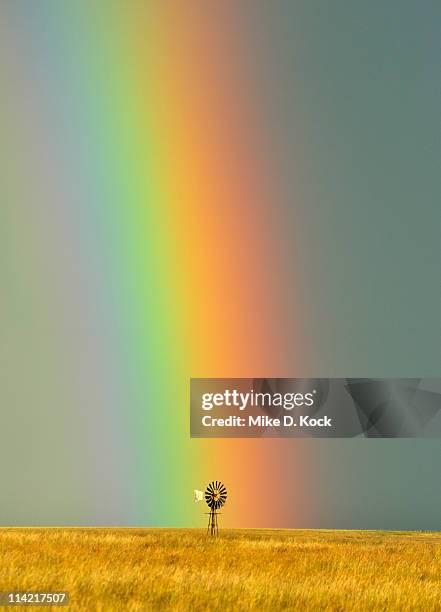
(262, 569)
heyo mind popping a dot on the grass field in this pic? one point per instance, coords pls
(183, 569)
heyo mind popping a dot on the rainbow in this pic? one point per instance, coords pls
(155, 250)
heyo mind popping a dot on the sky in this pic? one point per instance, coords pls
(248, 189)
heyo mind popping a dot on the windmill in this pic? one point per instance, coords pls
(215, 497)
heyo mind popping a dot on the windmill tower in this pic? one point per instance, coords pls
(215, 497)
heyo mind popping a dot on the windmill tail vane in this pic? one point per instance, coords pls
(198, 496)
